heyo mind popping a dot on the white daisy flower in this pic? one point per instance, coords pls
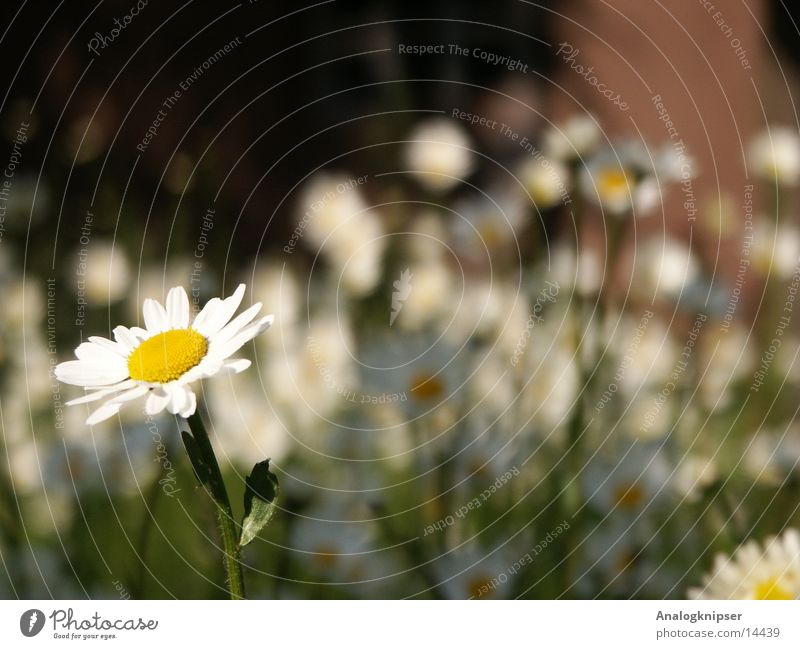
(623, 179)
(775, 155)
(771, 572)
(108, 273)
(472, 573)
(775, 249)
(574, 139)
(667, 267)
(547, 182)
(164, 358)
(440, 152)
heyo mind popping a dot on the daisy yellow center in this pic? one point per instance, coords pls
(325, 557)
(426, 387)
(628, 496)
(612, 182)
(490, 234)
(167, 356)
(769, 589)
(479, 586)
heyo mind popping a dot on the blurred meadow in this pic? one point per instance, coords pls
(535, 330)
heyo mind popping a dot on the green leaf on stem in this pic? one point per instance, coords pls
(260, 498)
(202, 470)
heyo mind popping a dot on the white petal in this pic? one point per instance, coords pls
(141, 334)
(99, 393)
(218, 316)
(178, 308)
(97, 353)
(126, 337)
(207, 367)
(235, 325)
(130, 395)
(155, 316)
(90, 373)
(236, 366)
(94, 396)
(103, 412)
(110, 345)
(246, 334)
(191, 404)
(178, 397)
(205, 313)
(156, 402)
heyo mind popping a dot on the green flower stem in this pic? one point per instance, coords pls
(227, 524)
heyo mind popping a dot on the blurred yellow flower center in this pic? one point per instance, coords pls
(612, 182)
(426, 387)
(325, 557)
(489, 233)
(770, 589)
(628, 496)
(166, 356)
(479, 587)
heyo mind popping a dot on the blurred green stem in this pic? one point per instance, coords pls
(145, 525)
(227, 524)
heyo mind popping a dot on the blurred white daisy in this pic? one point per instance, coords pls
(573, 139)
(775, 155)
(771, 457)
(486, 228)
(108, 273)
(667, 266)
(472, 573)
(626, 482)
(418, 373)
(440, 154)
(433, 298)
(693, 474)
(339, 223)
(164, 358)
(623, 180)
(336, 542)
(771, 572)
(547, 182)
(775, 248)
